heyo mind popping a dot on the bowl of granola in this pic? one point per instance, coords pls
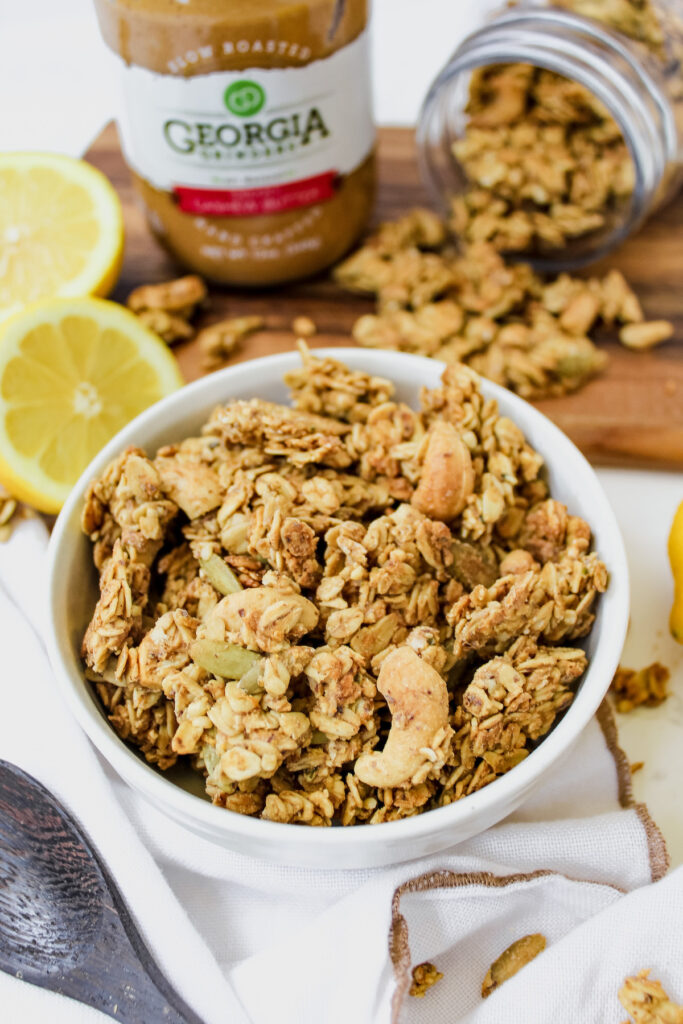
(355, 588)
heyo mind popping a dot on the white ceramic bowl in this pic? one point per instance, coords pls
(73, 591)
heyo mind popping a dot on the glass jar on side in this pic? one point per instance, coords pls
(248, 130)
(553, 132)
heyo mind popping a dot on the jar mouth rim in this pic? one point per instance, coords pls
(494, 44)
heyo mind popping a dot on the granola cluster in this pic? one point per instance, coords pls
(647, 1002)
(648, 686)
(424, 976)
(655, 28)
(343, 611)
(168, 309)
(11, 512)
(543, 160)
(505, 321)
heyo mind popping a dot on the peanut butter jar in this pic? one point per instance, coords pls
(247, 126)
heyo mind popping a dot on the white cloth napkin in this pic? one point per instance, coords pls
(246, 941)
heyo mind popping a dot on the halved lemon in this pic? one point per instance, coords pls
(72, 373)
(61, 229)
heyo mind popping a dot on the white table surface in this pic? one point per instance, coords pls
(58, 89)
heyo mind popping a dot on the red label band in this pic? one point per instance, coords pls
(249, 202)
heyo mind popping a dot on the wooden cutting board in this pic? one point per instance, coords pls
(631, 415)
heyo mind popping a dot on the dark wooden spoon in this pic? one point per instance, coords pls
(63, 923)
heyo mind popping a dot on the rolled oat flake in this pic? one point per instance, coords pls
(248, 129)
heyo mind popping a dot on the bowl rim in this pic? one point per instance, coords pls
(188, 806)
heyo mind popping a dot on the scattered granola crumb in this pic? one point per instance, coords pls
(636, 766)
(647, 686)
(424, 976)
(647, 1002)
(181, 296)
(167, 308)
(168, 326)
(303, 327)
(529, 333)
(511, 960)
(646, 335)
(220, 340)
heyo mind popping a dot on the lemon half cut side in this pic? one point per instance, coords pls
(61, 230)
(72, 373)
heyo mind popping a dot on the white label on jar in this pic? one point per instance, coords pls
(259, 141)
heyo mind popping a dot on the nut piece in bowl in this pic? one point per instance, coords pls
(344, 611)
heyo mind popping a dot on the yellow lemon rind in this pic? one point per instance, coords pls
(675, 552)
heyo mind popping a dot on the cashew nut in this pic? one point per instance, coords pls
(418, 700)
(447, 478)
(262, 619)
(193, 486)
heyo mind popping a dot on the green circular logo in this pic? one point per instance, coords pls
(244, 98)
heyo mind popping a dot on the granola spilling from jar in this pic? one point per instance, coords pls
(340, 611)
(528, 333)
(544, 162)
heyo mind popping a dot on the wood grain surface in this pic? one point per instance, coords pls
(631, 415)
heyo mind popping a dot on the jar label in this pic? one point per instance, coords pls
(243, 143)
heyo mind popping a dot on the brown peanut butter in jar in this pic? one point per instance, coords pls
(248, 129)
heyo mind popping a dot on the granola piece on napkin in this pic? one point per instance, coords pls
(512, 960)
(424, 976)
